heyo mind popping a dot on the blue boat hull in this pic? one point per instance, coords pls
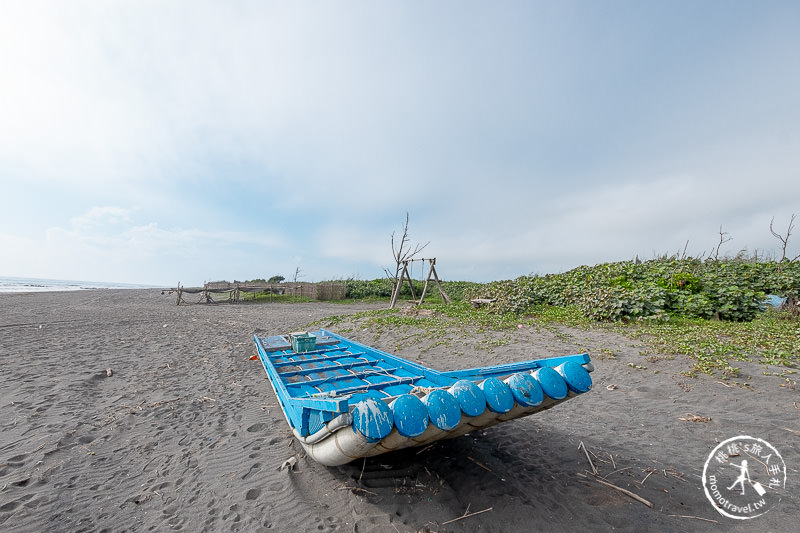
(345, 400)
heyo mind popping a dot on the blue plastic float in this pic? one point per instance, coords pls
(345, 400)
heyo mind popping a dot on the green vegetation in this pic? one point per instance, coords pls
(274, 298)
(712, 311)
(369, 289)
(728, 289)
(772, 339)
(273, 279)
(379, 289)
(713, 346)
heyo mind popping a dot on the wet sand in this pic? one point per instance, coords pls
(186, 434)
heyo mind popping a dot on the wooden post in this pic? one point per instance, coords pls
(445, 297)
(432, 272)
(400, 281)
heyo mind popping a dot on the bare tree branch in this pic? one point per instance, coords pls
(724, 237)
(683, 255)
(784, 240)
(401, 253)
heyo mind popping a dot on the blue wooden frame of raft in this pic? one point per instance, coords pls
(316, 386)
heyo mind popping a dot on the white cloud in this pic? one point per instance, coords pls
(107, 244)
(530, 137)
(101, 216)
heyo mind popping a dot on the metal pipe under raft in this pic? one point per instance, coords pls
(345, 400)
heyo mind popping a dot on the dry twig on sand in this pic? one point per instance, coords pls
(650, 473)
(426, 448)
(695, 517)
(624, 491)
(627, 493)
(792, 431)
(674, 473)
(345, 486)
(467, 514)
(480, 464)
(581, 445)
(615, 471)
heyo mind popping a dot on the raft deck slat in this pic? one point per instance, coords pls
(291, 362)
(342, 377)
(327, 368)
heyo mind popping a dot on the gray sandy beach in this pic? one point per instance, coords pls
(120, 411)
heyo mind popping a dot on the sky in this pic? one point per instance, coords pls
(186, 141)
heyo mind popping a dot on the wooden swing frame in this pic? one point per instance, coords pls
(406, 275)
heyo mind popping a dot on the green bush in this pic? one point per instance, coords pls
(458, 291)
(729, 289)
(382, 288)
(365, 289)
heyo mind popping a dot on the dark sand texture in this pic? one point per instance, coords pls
(186, 433)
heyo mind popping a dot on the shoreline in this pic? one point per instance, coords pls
(17, 285)
(186, 432)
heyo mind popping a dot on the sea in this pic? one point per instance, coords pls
(12, 284)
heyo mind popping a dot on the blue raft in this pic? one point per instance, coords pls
(345, 400)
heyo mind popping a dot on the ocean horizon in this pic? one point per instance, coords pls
(19, 284)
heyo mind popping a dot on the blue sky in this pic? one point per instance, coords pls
(157, 142)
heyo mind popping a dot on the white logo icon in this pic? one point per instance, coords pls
(744, 477)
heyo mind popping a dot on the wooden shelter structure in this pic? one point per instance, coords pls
(406, 275)
(233, 292)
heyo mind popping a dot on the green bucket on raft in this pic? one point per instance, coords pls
(303, 342)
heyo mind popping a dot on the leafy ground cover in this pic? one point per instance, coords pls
(713, 311)
(714, 347)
